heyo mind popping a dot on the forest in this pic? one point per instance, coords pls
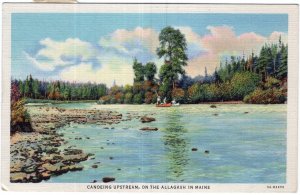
(259, 79)
(255, 79)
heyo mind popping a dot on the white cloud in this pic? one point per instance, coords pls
(61, 53)
(85, 63)
(131, 42)
(106, 74)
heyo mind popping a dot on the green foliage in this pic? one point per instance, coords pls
(18, 112)
(281, 72)
(197, 93)
(127, 88)
(172, 46)
(165, 90)
(226, 91)
(150, 71)
(19, 118)
(139, 71)
(178, 94)
(243, 83)
(271, 82)
(128, 98)
(59, 90)
(138, 99)
(269, 96)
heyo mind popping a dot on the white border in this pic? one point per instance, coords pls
(291, 10)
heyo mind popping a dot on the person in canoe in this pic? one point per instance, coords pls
(158, 101)
(163, 103)
(174, 103)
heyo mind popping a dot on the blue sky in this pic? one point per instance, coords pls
(107, 43)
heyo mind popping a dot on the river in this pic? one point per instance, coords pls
(243, 143)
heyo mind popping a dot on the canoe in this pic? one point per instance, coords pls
(164, 105)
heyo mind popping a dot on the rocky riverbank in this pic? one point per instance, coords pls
(37, 155)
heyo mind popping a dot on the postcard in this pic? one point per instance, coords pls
(149, 97)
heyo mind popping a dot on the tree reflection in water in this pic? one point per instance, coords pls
(176, 146)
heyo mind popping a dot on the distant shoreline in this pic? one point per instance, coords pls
(34, 101)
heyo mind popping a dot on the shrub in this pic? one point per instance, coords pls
(128, 98)
(244, 83)
(20, 120)
(178, 94)
(213, 93)
(193, 93)
(149, 97)
(138, 99)
(119, 97)
(271, 82)
(113, 100)
(269, 96)
(226, 91)
(105, 99)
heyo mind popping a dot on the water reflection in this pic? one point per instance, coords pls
(176, 146)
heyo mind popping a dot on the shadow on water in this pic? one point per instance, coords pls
(176, 146)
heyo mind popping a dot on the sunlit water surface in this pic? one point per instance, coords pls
(243, 147)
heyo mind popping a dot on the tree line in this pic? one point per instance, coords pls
(59, 90)
(260, 78)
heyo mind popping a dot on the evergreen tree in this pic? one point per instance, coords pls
(150, 71)
(172, 46)
(138, 70)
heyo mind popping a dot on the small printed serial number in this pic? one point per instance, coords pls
(275, 187)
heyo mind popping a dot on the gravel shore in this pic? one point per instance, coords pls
(37, 155)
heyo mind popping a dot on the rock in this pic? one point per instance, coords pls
(52, 168)
(75, 167)
(75, 158)
(213, 106)
(111, 158)
(246, 112)
(216, 114)
(45, 175)
(108, 179)
(72, 151)
(51, 150)
(119, 169)
(146, 119)
(194, 149)
(94, 166)
(149, 129)
(29, 169)
(18, 177)
(206, 151)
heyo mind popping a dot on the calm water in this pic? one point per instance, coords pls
(243, 148)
